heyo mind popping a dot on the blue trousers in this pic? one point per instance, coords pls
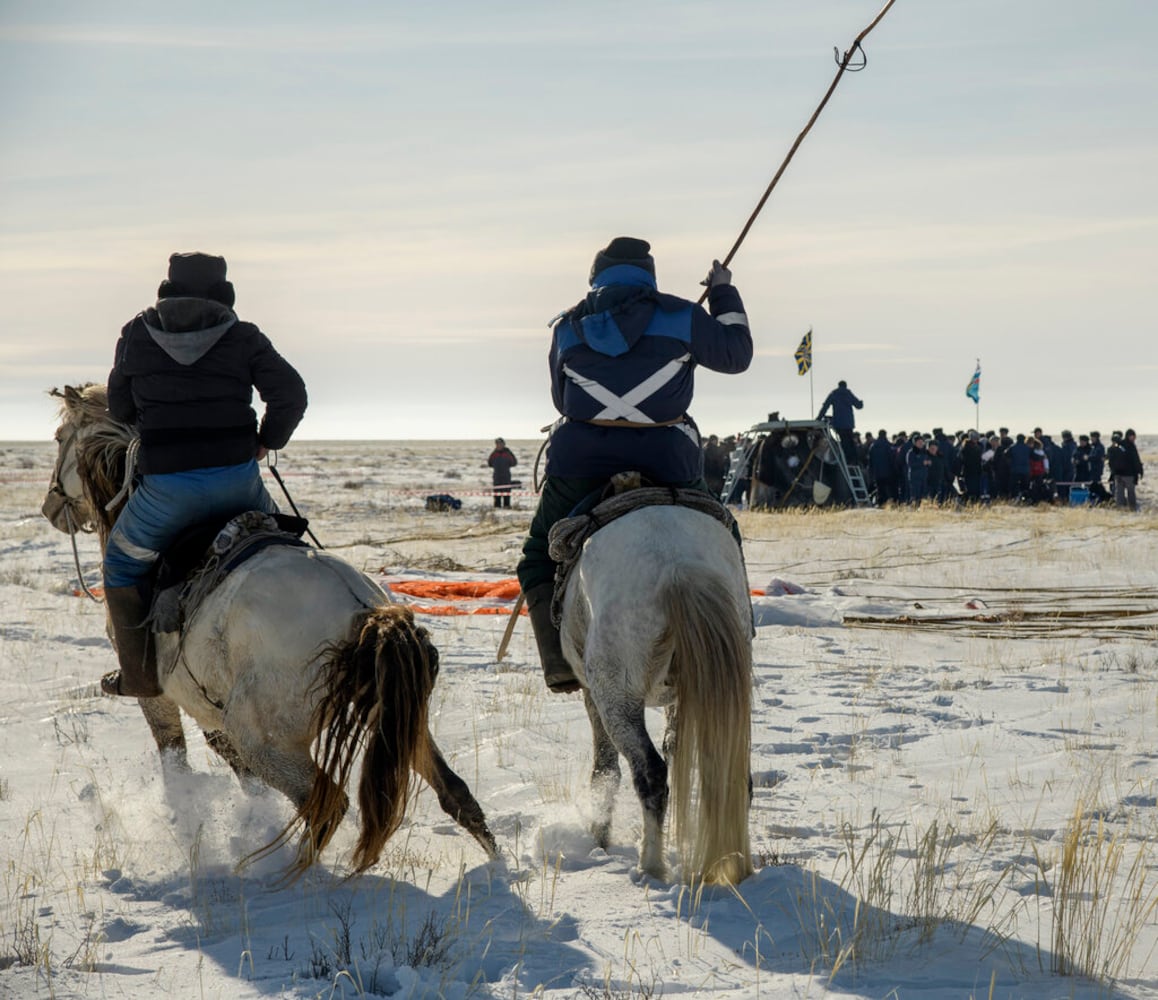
(162, 506)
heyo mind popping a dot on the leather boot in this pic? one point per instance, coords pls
(136, 649)
(557, 671)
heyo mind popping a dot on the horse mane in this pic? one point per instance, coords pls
(84, 403)
(100, 451)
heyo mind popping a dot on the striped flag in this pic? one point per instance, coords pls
(973, 389)
(804, 353)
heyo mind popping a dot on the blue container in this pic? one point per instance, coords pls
(1079, 496)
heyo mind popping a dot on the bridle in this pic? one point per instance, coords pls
(67, 512)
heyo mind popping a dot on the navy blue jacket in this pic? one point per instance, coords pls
(881, 459)
(625, 358)
(842, 402)
(184, 374)
(1019, 459)
(1097, 460)
(920, 465)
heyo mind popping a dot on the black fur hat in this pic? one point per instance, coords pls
(623, 250)
(197, 276)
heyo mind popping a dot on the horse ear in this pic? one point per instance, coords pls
(71, 394)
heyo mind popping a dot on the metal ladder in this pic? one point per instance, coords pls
(741, 454)
(860, 494)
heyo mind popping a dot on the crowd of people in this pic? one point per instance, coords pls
(1025, 468)
(970, 466)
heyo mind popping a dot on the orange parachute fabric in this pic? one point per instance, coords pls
(471, 590)
(462, 592)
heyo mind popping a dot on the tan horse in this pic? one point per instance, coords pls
(657, 612)
(294, 647)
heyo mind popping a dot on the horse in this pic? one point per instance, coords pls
(656, 611)
(294, 647)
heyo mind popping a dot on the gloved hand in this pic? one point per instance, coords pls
(718, 275)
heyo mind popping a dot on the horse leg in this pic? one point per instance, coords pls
(223, 746)
(605, 775)
(164, 719)
(292, 771)
(624, 723)
(455, 797)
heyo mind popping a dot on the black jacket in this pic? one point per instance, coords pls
(184, 374)
(1133, 459)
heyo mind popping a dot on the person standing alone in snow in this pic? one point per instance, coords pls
(500, 460)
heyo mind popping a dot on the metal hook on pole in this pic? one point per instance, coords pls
(844, 63)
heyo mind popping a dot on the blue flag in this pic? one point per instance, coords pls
(973, 389)
(804, 353)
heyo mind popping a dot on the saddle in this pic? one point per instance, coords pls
(626, 492)
(205, 554)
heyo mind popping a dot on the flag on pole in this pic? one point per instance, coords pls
(804, 353)
(973, 389)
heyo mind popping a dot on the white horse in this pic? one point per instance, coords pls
(657, 612)
(294, 646)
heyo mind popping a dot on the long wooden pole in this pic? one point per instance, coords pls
(506, 640)
(842, 66)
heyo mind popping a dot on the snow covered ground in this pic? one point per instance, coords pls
(955, 758)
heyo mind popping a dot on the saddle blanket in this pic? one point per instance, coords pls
(180, 589)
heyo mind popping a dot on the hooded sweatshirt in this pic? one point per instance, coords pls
(184, 374)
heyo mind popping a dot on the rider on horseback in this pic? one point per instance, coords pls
(622, 364)
(184, 375)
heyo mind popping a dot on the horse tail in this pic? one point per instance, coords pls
(375, 692)
(711, 669)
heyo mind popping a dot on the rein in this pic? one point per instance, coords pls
(131, 451)
(271, 464)
(72, 530)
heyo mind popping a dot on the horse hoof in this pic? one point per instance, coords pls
(564, 686)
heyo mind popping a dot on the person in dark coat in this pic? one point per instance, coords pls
(183, 375)
(1064, 473)
(842, 402)
(716, 461)
(901, 448)
(880, 460)
(1125, 468)
(1002, 465)
(938, 488)
(1056, 463)
(1082, 452)
(1097, 457)
(970, 459)
(1019, 453)
(918, 463)
(622, 364)
(501, 459)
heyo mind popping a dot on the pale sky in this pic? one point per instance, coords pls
(406, 194)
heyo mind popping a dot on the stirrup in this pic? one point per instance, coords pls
(111, 685)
